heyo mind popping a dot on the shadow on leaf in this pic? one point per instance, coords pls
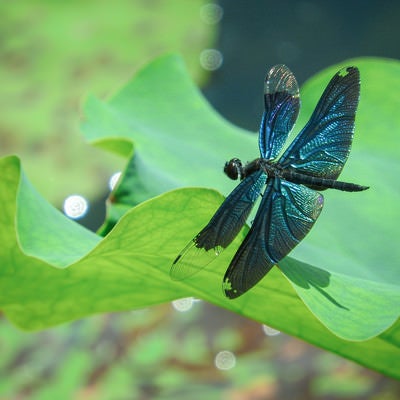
(307, 277)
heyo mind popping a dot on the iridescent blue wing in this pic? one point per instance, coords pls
(221, 230)
(286, 214)
(322, 147)
(282, 103)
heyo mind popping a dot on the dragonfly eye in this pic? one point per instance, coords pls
(234, 169)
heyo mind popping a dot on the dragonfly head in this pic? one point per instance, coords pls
(234, 169)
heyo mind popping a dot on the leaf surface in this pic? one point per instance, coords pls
(339, 288)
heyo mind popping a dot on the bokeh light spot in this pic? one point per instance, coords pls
(114, 180)
(225, 360)
(75, 206)
(211, 13)
(211, 59)
(183, 305)
(270, 331)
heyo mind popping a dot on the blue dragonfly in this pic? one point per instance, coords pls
(289, 184)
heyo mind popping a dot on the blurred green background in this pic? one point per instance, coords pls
(52, 55)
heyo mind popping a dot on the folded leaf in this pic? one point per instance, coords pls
(345, 272)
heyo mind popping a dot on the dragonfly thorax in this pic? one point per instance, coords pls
(235, 169)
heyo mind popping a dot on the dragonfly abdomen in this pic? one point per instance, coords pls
(318, 183)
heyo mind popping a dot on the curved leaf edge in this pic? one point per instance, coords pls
(373, 354)
(300, 275)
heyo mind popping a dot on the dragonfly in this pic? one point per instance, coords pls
(289, 184)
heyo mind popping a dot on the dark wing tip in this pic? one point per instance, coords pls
(351, 71)
(229, 291)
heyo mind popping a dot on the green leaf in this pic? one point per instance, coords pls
(344, 272)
